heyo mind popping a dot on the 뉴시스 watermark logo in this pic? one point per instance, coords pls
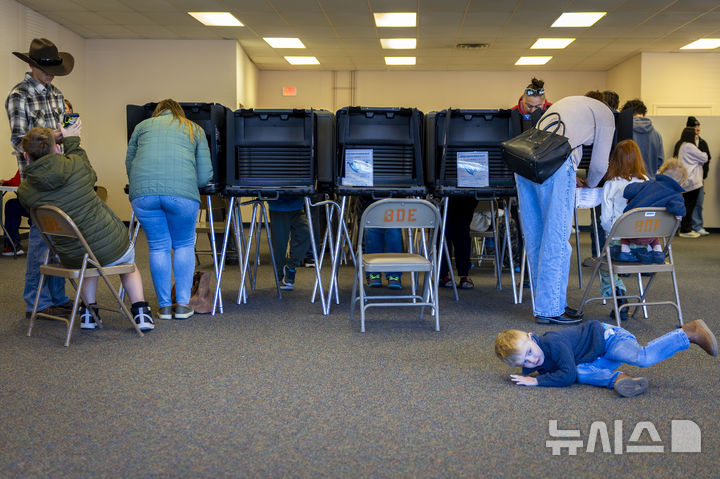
(685, 436)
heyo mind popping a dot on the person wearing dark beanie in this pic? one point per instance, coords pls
(697, 219)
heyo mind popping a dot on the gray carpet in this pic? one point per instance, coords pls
(273, 388)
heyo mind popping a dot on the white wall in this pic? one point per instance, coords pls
(426, 90)
(681, 83)
(626, 78)
(122, 72)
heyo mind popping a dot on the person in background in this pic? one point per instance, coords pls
(547, 208)
(692, 158)
(697, 219)
(68, 106)
(612, 99)
(647, 138)
(457, 235)
(36, 102)
(288, 222)
(167, 160)
(532, 100)
(14, 212)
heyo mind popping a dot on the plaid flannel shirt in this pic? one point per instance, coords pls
(31, 104)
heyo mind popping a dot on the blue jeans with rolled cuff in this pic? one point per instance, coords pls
(621, 347)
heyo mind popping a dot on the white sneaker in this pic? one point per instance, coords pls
(9, 252)
(701, 232)
(689, 234)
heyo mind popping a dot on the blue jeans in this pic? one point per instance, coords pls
(697, 219)
(546, 212)
(169, 224)
(53, 290)
(384, 240)
(621, 347)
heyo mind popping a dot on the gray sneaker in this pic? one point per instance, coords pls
(288, 280)
(165, 312)
(183, 312)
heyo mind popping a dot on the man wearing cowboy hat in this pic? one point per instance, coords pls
(35, 102)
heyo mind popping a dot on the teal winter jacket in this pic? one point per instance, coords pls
(161, 159)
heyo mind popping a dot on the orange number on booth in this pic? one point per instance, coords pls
(646, 226)
(400, 215)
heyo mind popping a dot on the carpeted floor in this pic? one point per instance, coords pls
(273, 388)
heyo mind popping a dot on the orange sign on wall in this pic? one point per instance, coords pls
(289, 91)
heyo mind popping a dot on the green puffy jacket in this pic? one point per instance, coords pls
(67, 181)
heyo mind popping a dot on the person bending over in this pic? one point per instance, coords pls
(592, 352)
(66, 181)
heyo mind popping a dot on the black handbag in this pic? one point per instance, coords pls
(536, 154)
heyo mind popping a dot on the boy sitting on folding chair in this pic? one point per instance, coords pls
(66, 181)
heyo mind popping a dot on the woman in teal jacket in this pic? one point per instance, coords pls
(167, 161)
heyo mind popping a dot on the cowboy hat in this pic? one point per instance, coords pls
(44, 55)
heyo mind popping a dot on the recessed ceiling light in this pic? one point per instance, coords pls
(398, 19)
(302, 60)
(216, 19)
(400, 60)
(702, 44)
(578, 19)
(532, 60)
(398, 43)
(277, 42)
(552, 43)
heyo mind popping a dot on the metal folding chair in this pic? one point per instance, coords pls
(53, 222)
(413, 214)
(638, 223)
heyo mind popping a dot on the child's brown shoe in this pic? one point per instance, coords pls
(628, 386)
(698, 333)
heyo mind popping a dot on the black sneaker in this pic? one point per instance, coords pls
(87, 321)
(143, 316)
(309, 263)
(288, 280)
(570, 316)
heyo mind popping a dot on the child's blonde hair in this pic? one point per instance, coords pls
(674, 169)
(507, 346)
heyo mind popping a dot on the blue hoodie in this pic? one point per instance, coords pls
(650, 143)
(663, 191)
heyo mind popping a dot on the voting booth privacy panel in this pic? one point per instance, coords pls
(279, 151)
(379, 152)
(211, 117)
(374, 151)
(463, 153)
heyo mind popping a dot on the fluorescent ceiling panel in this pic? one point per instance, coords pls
(578, 19)
(532, 60)
(702, 44)
(400, 60)
(216, 19)
(302, 60)
(398, 43)
(396, 19)
(551, 43)
(277, 42)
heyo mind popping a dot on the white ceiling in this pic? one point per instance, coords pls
(343, 36)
